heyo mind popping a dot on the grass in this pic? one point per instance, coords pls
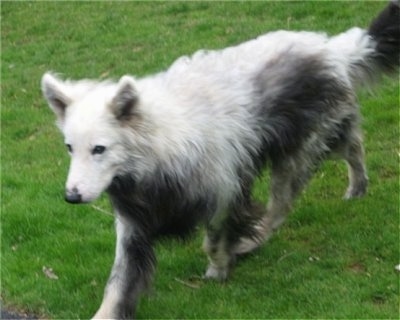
(332, 259)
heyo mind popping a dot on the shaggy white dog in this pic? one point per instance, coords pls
(185, 145)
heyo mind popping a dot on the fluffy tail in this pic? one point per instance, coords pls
(367, 54)
(385, 31)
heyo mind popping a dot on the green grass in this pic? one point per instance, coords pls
(332, 259)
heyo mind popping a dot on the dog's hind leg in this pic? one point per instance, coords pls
(130, 274)
(353, 153)
(288, 179)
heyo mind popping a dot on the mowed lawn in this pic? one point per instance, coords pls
(331, 259)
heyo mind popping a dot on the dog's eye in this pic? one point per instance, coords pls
(69, 147)
(98, 149)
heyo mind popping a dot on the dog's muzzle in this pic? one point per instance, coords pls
(73, 196)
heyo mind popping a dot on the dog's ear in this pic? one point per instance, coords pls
(123, 104)
(54, 91)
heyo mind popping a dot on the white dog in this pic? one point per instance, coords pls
(185, 145)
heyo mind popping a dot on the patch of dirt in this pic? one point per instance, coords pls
(11, 315)
(357, 267)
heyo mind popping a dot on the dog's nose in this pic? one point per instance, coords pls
(73, 196)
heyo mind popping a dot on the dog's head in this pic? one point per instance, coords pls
(92, 116)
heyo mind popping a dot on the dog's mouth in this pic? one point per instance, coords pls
(73, 196)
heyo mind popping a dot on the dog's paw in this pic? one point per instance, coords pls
(218, 274)
(356, 192)
(247, 245)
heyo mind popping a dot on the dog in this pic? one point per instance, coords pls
(184, 146)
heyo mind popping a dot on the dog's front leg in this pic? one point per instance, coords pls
(130, 274)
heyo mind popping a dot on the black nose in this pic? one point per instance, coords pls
(73, 196)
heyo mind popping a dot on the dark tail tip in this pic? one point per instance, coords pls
(385, 30)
